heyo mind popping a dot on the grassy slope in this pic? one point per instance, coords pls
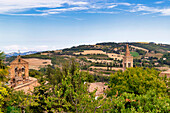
(153, 47)
(134, 54)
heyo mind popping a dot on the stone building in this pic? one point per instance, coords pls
(19, 72)
(127, 59)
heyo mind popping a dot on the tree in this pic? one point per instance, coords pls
(130, 102)
(3, 94)
(4, 74)
(3, 69)
(69, 95)
(136, 80)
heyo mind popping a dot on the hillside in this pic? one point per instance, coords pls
(105, 58)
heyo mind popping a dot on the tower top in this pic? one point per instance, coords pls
(19, 56)
(127, 50)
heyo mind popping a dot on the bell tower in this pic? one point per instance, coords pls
(127, 59)
(19, 71)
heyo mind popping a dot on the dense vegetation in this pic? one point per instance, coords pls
(134, 54)
(69, 94)
(153, 47)
(165, 59)
(3, 69)
(37, 55)
(66, 90)
(138, 81)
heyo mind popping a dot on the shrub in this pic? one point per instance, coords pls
(137, 80)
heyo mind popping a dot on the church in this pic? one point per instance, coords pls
(127, 59)
(19, 76)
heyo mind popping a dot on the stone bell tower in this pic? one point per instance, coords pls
(127, 59)
(19, 71)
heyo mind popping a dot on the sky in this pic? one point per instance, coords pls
(37, 25)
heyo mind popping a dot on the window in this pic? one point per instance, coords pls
(129, 64)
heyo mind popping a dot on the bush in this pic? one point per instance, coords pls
(150, 102)
(137, 80)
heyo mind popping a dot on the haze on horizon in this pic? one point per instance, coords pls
(49, 25)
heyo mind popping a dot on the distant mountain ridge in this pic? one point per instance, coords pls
(24, 53)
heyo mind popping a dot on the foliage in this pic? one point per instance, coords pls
(10, 59)
(131, 103)
(3, 94)
(134, 54)
(167, 57)
(137, 80)
(3, 69)
(70, 94)
(66, 90)
(141, 52)
(4, 74)
(35, 73)
(153, 46)
(80, 48)
(2, 55)
(99, 78)
(37, 55)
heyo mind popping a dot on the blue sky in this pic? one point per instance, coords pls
(55, 24)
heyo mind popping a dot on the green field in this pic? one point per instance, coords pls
(134, 54)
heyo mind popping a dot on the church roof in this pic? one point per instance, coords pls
(127, 51)
(19, 60)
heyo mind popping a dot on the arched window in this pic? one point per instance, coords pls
(16, 69)
(23, 68)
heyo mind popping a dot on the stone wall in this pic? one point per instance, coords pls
(27, 87)
(167, 73)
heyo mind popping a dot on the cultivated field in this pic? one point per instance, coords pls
(35, 63)
(139, 48)
(115, 56)
(158, 55)
(92, 52)
(100, 61)
(105, 68)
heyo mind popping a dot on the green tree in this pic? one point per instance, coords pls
(2, 57)
(132, 103)
(136, 80)
(69, 95)
(3, 69)
(3, 94)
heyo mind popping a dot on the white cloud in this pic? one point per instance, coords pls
(117, 4)
(159, 2)
(18, 7)
(140, 7)
(12, 7)
(15, 48)
(8, 6)
(12, 48)
(125, 4)
(112, 6)
(104, 12)
(43, 14)
(54, 11)
(165, 12)
(147, 10)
